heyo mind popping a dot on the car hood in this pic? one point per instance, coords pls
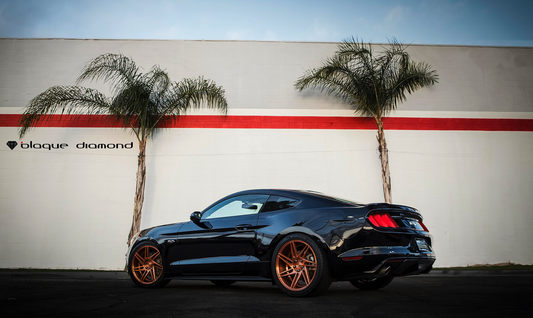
(165, 228)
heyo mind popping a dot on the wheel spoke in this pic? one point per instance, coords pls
(143, 276)
(139, 258)
(295, 280)
(294, 251)
(306, 276)
(138, 268)
(153, 274)
(153, 257)
(308, 263)
(286, 273)
(145, 252)
(284, 258)
(303, 252)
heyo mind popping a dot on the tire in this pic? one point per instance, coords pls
(145, 266)
(223, 282)
(300, 267)
(372, 284)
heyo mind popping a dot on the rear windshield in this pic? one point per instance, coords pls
(328, 197)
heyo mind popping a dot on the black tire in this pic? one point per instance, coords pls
(300, 267)
(223, 282)
(145, 266)
(372, 284)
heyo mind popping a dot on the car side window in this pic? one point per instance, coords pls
(276, 203)
(239, 205)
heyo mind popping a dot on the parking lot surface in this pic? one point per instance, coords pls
(73, 294)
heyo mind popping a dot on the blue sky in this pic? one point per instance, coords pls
(465, 22)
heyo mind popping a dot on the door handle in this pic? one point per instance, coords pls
(242, 227)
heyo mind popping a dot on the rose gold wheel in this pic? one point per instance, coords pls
(147, 265)
(296, 265)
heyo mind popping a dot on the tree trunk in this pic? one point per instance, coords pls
(139, 191)
(384, 157)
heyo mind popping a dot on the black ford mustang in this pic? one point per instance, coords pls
(300, 240)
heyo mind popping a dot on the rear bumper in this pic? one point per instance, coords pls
(380, 261)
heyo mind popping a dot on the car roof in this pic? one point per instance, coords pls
(308, 195)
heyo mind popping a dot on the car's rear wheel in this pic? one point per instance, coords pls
(373, 283)
(299, 266)
(145, 266)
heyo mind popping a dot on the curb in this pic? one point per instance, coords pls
(81, 275)
(491, 272)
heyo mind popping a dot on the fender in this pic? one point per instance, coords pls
(298, 229)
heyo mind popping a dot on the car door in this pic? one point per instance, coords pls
(222, 241)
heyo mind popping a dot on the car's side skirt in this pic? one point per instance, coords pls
(222, 277)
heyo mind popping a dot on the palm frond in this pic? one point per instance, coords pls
(140, 100)
(372, 85)
(63, 99)
(192, 93)
(341, 78)
(333, 80)
(157, 82)
(417, 75)
(173, 100)
(132, 104)
(117, 69)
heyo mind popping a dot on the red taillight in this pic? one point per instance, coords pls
(352, 258)
(423, 226)
(396, 260)
(381, 219)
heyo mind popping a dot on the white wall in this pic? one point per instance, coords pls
(260, 75)
(72, 208)
(65, 208)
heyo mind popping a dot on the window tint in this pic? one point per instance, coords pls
(276, 203)
(328, 197)
(240, 205)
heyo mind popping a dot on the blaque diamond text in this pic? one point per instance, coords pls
(81, 145)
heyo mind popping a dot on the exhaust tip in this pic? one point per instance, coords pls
(384, 271)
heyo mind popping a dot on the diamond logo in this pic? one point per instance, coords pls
(12, 144)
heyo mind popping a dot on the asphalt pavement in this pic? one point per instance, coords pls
(112, 294)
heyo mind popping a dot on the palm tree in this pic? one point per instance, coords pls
(140, 101)
(371, 85)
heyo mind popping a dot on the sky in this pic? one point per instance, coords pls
(447, 22)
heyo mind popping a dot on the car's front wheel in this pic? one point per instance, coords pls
(299, 266)
(145, 266)
(372, 284)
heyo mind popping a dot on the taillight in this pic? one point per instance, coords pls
(352, 258)
(381, 219)
(423, 226)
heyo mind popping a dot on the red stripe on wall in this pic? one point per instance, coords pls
(290, 122)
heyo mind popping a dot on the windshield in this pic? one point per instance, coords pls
(341, 200)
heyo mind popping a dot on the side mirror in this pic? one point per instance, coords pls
(249, 206)
(196, 216)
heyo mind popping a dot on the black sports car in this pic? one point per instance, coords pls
(299, 240)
